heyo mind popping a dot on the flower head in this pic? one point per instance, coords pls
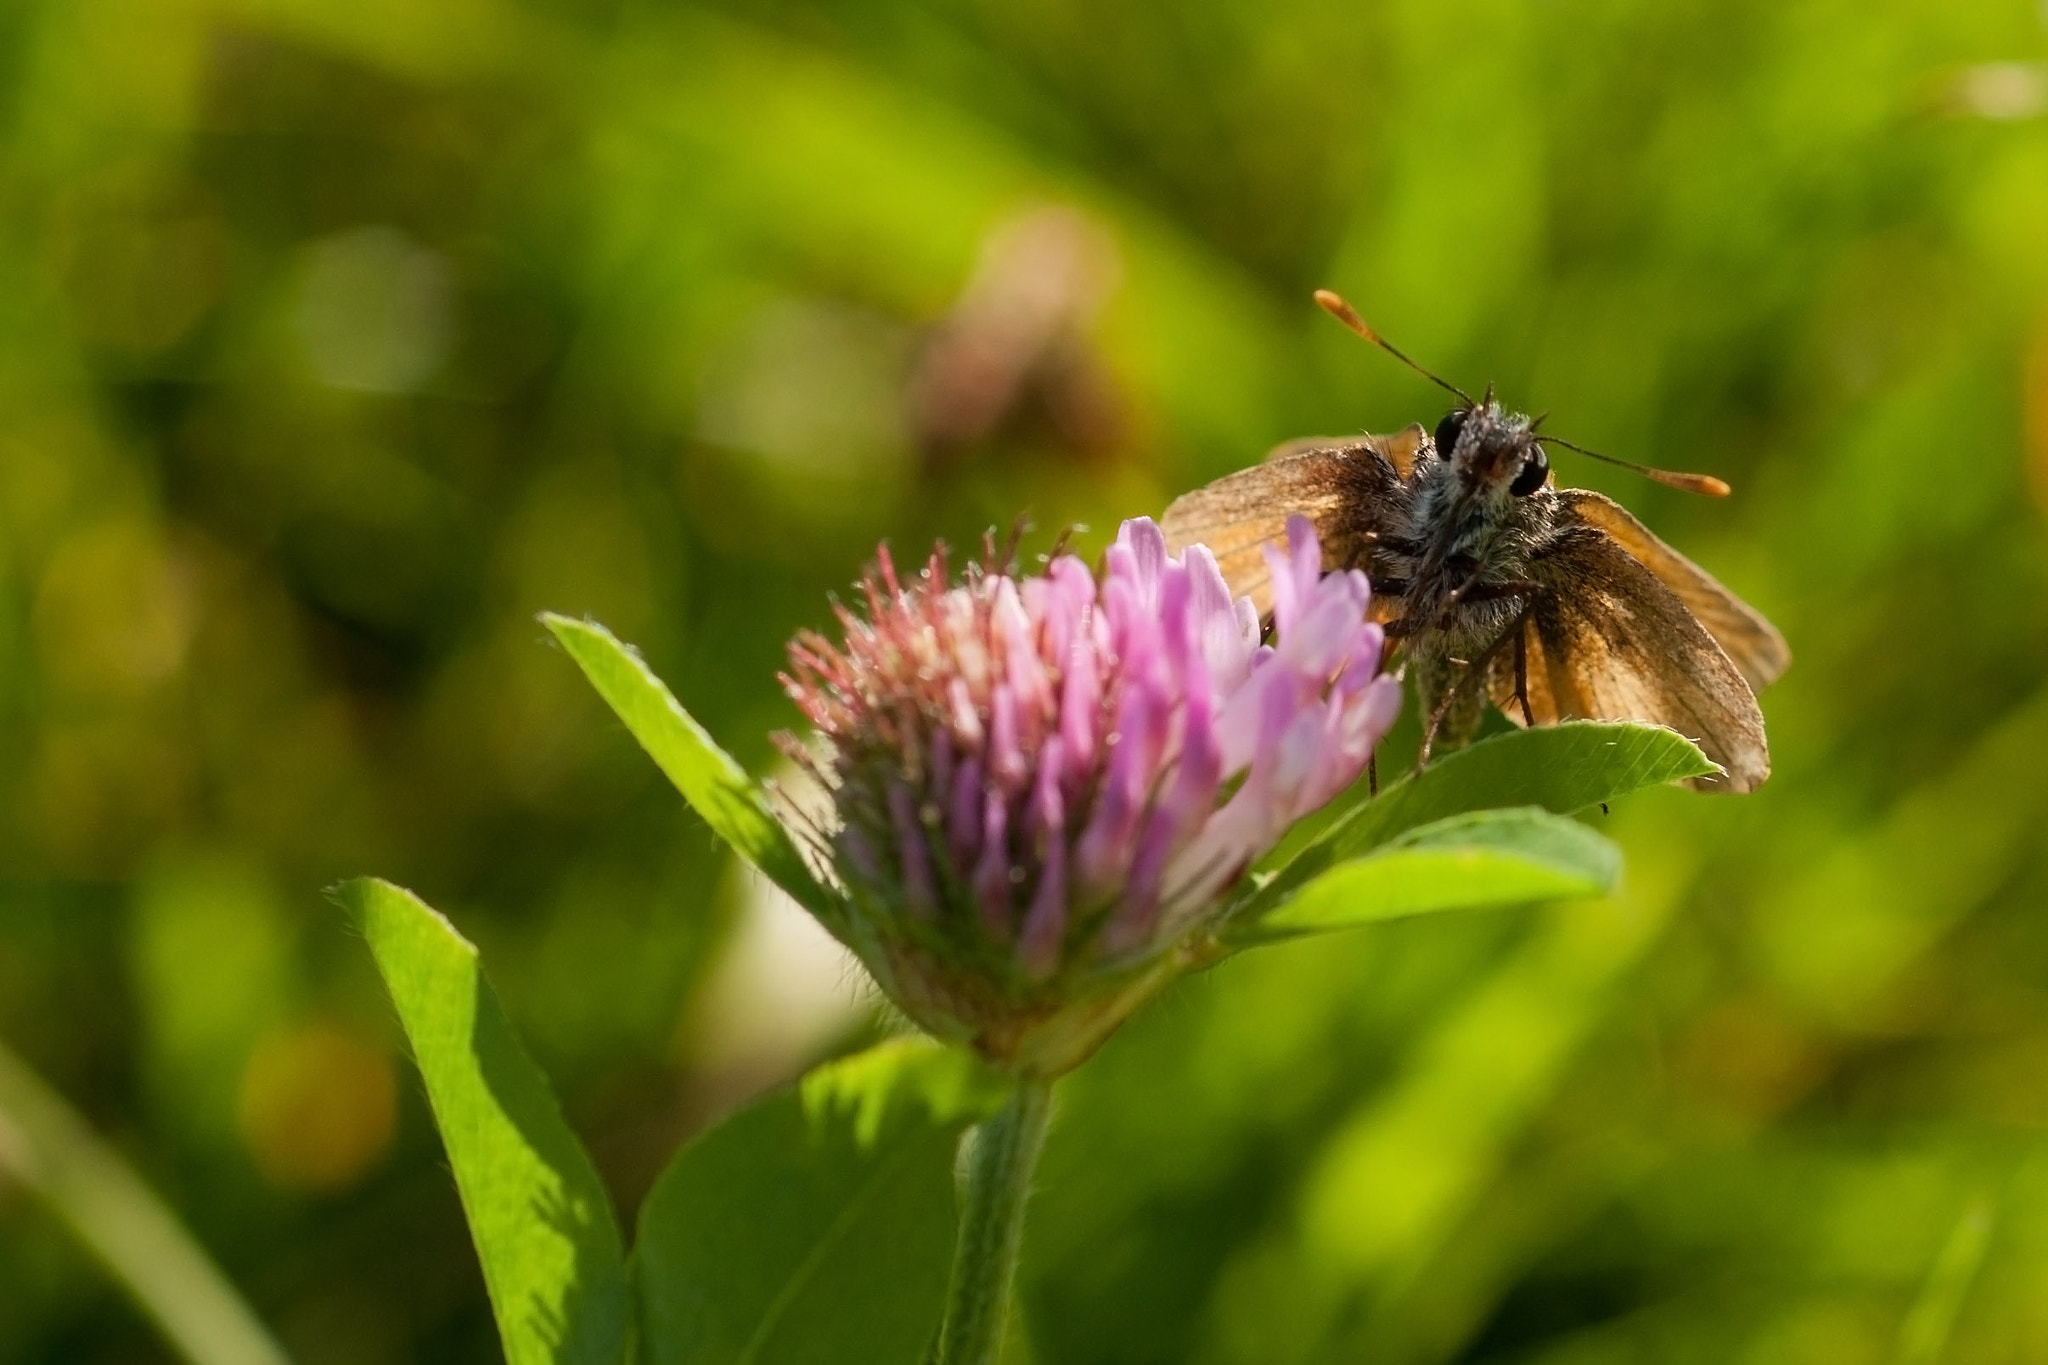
(1044, 785)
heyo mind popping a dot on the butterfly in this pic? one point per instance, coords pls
(1495, 585)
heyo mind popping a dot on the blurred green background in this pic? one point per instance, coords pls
(338, 337)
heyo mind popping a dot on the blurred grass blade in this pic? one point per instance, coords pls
(541, 1220)
(816, 1224)
(708, 777)
(1925, 1333)
(48, 1147)
(1422, 1158)
(1467, 862)
(1562, 768)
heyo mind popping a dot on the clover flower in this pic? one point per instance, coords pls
(1043, 786)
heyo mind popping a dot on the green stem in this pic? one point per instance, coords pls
(999, 1171)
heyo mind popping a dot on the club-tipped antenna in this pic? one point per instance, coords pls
(1705, 484)
(1334, 305)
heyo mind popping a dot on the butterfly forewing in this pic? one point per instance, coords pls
(1340, 485)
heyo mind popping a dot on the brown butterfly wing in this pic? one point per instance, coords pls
(1342, 485)
(1238, 514)
(1752, 644)
(1606, 640)
(1399, 448)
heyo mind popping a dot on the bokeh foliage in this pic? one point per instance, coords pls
(341, 338)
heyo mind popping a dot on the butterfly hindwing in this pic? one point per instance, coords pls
(1752, 644)
(1605, 639)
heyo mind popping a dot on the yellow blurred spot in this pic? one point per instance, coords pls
(375, 311)
(2001, 91)
(1819, 1332)
(102, 790)
(1747, 1058)
(114, 612)
(142, 261)
(46, 457)
(317, 1107)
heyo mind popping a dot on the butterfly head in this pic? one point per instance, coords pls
(1494, 453)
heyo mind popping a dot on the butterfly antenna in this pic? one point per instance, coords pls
(1692, 483)
(1334, 305)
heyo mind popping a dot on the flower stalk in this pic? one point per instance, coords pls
(1000, 1165)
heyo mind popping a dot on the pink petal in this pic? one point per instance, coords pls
(963, 816)
(992, 869)
(1146, 544)
(920, 895)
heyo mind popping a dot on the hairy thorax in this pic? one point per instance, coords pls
(1445, 571)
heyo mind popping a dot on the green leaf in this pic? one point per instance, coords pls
(708, 777)
(1562, 768)
(1467, 862)
(818, 1223)
(542, 1224)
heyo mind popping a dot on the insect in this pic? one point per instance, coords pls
(1552, 603)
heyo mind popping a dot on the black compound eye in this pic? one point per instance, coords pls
(1447, 431)
(1534, 471)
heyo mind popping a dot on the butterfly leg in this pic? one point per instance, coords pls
(1474, 673)
(1522, 669)
(1451, 694)
(1527, 592)
(1517, 632)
